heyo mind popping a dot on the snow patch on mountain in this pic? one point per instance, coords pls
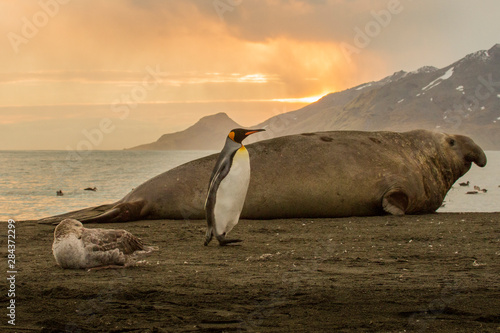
(364, 86)
(440, 79)
(482, 55)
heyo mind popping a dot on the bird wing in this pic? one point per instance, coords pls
(220, 171)
(109, 239)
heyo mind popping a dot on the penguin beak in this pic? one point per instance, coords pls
(254, 131)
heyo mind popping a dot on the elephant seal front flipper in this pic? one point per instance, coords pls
(395, 202)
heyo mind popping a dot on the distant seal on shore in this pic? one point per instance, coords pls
(77, 247)
(326, 174)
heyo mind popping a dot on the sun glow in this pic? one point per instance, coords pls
(310, 99)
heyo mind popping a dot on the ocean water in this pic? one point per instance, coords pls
(29, 180)
(457, 199)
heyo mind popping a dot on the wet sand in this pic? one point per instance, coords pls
(427, 273)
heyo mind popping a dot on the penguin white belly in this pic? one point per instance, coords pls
(232, 192)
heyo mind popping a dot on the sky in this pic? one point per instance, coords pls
(89, 74)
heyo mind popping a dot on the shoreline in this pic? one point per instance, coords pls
(295, 218)
(434, 272)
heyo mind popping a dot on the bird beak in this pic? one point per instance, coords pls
(254, 131)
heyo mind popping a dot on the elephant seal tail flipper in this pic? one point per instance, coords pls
(395, 202)
(104, 217)
(82, 214)
(117, 212)
(122, 212)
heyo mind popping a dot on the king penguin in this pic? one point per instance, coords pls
(228, 187)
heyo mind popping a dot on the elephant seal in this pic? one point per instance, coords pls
(325, 174)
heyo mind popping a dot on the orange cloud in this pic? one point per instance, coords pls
(92, 51)
(244, 59)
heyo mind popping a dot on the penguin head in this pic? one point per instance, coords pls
(239, 134)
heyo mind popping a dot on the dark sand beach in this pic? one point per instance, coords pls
(427, 273)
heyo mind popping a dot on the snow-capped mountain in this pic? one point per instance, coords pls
(462, 98)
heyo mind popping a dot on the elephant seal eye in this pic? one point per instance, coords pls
(452, 142)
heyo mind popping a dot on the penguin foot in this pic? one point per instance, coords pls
(208, 236)
(223, 241)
